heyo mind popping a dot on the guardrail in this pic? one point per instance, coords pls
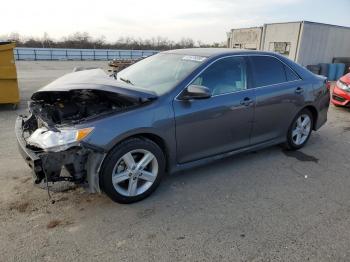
(35, 54)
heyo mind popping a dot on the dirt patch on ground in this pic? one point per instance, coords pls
(33, 202)
(26, 179)
(53, 223)
(19, 206)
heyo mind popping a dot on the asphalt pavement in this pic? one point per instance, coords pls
(269, 205)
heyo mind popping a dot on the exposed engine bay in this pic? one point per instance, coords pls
(59, 108)
(54, 113)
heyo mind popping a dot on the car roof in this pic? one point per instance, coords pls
(213, 52)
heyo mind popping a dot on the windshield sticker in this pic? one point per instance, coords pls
(194, 58)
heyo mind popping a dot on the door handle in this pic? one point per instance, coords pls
(247, 101)
(299, 90)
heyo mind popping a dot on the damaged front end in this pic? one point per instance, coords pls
(48, 163)
(52, 138)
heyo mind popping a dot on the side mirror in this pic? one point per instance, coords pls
(195, 92)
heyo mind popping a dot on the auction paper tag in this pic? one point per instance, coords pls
(194, 58)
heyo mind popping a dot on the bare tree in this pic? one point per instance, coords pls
(83, 40)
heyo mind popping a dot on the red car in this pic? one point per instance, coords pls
(341, 91)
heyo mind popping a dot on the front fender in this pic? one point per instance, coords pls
(155, 119)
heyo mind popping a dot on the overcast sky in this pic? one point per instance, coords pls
(204, 20)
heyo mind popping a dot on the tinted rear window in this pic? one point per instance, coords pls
(291, 75)
(267, 71)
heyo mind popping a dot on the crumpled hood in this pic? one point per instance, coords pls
(94, 79)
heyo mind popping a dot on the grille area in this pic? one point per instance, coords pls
(338, 98)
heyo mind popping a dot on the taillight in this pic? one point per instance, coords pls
(328, 85)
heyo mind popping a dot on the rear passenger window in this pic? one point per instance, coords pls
(291, 76)
(268, 71)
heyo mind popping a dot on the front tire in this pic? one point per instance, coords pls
(132, 170)
(300, 130)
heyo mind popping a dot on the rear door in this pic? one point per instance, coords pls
(222, 122)
(279, 95)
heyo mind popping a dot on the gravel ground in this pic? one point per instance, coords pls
(269, 205)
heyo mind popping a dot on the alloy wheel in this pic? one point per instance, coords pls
(301, 130)
(135, 172)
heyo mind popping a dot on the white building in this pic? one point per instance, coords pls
(304, 42)
(245, 38)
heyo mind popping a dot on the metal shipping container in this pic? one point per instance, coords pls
(304, 42)
(245, 38)
(320, 43)
(282, 38)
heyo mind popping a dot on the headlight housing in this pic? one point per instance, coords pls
(343, 86)
(62, 139)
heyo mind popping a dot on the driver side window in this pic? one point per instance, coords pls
(226, 75)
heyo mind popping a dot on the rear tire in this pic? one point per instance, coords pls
(300, 130)
(132, 170)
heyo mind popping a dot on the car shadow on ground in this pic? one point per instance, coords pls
(228, 169)
(242, 168)
(229, 179)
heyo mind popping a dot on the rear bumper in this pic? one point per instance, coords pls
(340, 97)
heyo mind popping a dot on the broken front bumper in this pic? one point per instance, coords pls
(31, 158)
(82, 162)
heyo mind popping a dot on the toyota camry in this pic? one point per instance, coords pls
(119, 134)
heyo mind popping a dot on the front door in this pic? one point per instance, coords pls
(221, 123)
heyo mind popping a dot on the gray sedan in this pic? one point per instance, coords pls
(120, 134)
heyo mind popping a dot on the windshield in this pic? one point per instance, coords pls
(161, 72)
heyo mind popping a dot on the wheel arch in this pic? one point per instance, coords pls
(314, 113)
(142, 135)
(160, 141)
